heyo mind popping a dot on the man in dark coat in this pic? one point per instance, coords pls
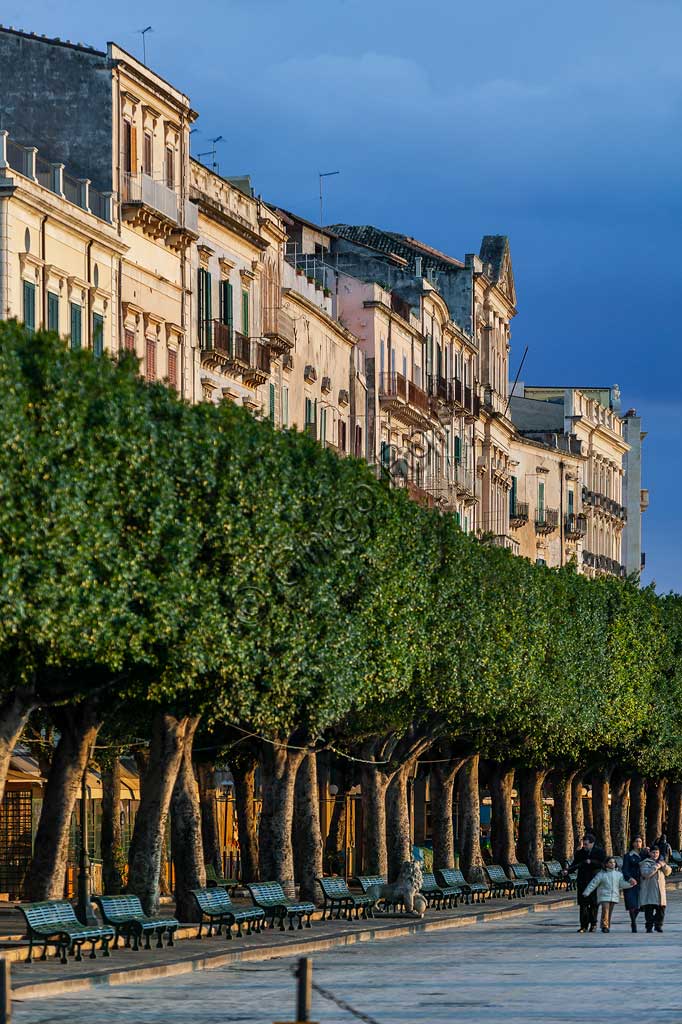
(587, 861)
(631, 869)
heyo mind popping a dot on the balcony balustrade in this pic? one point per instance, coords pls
(546, 520)
(575, 526)
(258, 369)
(223, 347)
(279, 330)
(406, 400)
(518, 514)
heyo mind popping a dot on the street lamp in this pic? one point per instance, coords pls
(85, 913)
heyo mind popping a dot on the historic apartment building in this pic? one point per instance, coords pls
(374, 343)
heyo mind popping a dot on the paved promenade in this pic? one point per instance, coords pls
(531, 968)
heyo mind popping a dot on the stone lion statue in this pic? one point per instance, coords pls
(403, 892)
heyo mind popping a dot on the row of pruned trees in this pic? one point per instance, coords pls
(173, 574)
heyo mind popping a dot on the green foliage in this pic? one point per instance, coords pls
(195, 559)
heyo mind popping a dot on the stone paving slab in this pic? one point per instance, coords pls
(51, 978)
(520, 969)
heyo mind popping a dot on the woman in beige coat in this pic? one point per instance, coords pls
(652, 898)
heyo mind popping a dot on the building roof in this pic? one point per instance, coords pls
(393, 244)
(52, 42)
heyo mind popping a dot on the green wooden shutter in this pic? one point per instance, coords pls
(272, 403)
(571, 502)
(458, 519)
(97, 334)
(541, 502)
(245, 314)
(53, 312)
(29, 306)
(512, 497)
(285, 407)
(226, 312)
(205, 315)
(76, 325)
(458, 450)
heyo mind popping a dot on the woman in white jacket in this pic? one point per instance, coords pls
(609, 882)
(652, 898)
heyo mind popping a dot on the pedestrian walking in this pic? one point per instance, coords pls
(587, 861)
(664, 846)
(632, 862)
(652, 896)
(608, 885)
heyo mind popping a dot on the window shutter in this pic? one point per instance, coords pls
(53, 312)
(571, 502)
(458, 450)
(97, 334)
(29, 306)
(129, 340)
(272, 403)
(150, 370)
(133, 149)
(75, 326)
(285, 407)
(245, 314)
(512, 497)
(173, 368)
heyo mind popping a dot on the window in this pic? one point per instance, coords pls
(53, 312)
(170, 167)
(150, 369)
(245, 314)
(541, 501)
(382, 357)
(311, 416)
(358, 440)
(129, 340)
(285, 407)
(342, 435)
(458, 450)
(205, 295)
(272, 404)
(571, 501)
(512, 496)
(173, 368)
(323, 426)
(226, 301)
(147, 155)
(458, 519)
(76, 325)
(404, 366)
(540, 561)
(97, 334)
(29, 306)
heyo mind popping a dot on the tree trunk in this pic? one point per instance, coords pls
(244, 775)
(530, 849)
(374, 786)
(562, 821)
(637, 807)
(307, 834)
(601, 819)
(398, 845)
(156, 788)
(471, 860)
(674, 822)
(577, 810)
(655, 791)
(186, 842)
(335, 846)
(442, 789)
(588, 814)
(620, 812)
(210, 832)
(279, 768)
(501, 784)
(78, 727)
(113, 861)
(14, 714)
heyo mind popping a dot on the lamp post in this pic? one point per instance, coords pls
(85, 913)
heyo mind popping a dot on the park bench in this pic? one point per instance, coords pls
(556, 873)
(337, 896)
(503, 886)
(55, 923)
(215, 905)
(213, 879)
(439, 896)
(269, 896)
(474, 892)
(126, 916)
(675, 860)
(537, 883)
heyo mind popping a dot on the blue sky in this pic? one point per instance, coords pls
(558, 125)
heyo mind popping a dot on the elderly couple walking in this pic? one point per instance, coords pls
(599, 882)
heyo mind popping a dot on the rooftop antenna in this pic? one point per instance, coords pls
(518, 374)
(143, 33)
(211, 152)
(324, 174)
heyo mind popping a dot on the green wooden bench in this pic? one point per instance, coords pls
(503, 886)
(556, 873)
(55, 923)
(439, 896)
(337, 896)
(269, 896)
(215, 905)
(474, 892)
(675, 860)
(214, 879)
(128, 919)
(522, 873)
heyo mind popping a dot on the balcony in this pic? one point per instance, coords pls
(258, 369)
(149, 204)
(546, 520)
(405, 400)
(501, 540)
(279, 330)
(597, 500)
(223, 348)
(518, 514)
(603, 563)
(575, 526)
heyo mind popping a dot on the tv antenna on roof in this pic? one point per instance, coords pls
(324, 174)
(143, 33)
(211, 153)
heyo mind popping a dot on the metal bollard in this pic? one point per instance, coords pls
(5, 992)
(304, 991)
